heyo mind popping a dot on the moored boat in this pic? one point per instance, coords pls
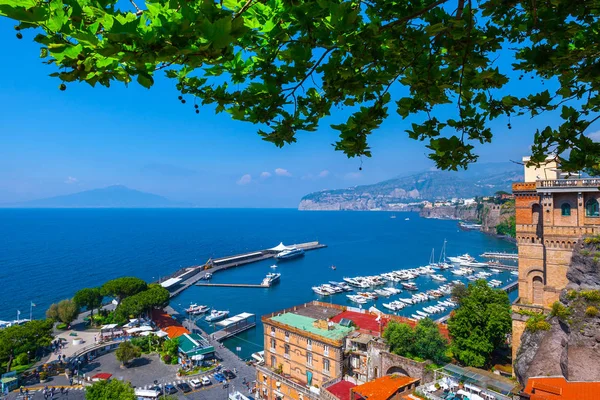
(216, 315)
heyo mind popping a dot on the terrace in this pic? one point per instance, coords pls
(453, 382)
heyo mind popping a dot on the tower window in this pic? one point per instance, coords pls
(565, 209)
(591, 208)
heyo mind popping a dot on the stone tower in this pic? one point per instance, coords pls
(553, 212)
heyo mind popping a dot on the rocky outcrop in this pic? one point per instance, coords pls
(584, 272)
(465, 213)
(571, 345)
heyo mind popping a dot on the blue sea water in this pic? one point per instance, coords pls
(48, 254)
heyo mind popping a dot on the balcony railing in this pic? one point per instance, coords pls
(568, 183)
(288, 382)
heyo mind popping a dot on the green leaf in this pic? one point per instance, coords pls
(145, 80)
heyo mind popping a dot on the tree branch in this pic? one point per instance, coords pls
(243, 9)
(293, 89)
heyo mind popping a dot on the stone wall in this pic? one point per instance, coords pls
(382, 362)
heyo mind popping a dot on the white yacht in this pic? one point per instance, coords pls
(460, 259)
(438, 277)
(196, 309)
(216, 315)
(271, 278)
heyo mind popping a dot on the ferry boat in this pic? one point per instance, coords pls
(289, 254)
(216, 315)
(409, 285)
(271, 278)
(196, 309)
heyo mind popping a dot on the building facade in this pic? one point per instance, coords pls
(303, 350)
(552, 214)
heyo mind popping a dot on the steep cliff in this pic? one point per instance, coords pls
(489, 214)
(464, 213)
(567, 342)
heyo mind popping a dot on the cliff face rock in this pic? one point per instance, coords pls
(584, 272)
(451, 212)
(571, 347)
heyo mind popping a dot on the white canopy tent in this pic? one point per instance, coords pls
(280, 247)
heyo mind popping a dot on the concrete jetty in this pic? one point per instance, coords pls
(186, 277)
(236, 285)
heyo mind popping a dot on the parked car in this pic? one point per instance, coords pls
(196, 383)
(228, 374)
(170, 389)
(157, 389)
(206, 381)
(184, 387)
(220, 378)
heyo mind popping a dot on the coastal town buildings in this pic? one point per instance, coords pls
(553, 212)
(313, 346)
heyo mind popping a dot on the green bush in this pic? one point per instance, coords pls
(591, 295)
(591, 311)
(537, 323)
(21, 359)
(43, 376)
(507, 227)
(559, 310)
(572, 294)
(167, 358)
(592, 240)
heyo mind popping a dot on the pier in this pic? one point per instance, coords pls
(500, 256)
(236, 285)
(186, 277)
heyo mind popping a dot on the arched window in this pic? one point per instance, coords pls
(565, 210)
(591, 208)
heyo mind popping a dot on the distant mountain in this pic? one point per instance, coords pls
(116, 196)
(478, 180)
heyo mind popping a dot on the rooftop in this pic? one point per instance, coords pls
(192, 341)
(301, 322)
(364, 321)
(383, 388)
(550, 388)
(317, 311)
(169, 325)
(341, 390)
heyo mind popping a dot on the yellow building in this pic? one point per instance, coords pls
(303, 350)
(551, 216)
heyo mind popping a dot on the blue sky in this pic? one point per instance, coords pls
(54, 142)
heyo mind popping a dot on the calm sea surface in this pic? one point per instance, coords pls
(47, 255)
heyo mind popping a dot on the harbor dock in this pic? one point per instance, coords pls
(500, 256)
(186, 277)
(236, 285)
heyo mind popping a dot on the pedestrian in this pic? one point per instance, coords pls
(67, 392)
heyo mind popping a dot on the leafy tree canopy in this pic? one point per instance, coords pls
(19, 339)
(424, 341)
(108, 390)
(127, 351)
(156, 296)
(479, 324)
(286, 64)
(67, 311)
(90, 298)
(121, 288)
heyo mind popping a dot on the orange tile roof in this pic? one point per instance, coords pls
(165, 322)
(383, 388)
(554, 388)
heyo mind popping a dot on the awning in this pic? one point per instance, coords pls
(235, 319)
(109, 326)
(170, 282)
(280, 247)
(161, 334)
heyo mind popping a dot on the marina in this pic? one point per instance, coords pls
(184, 278)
